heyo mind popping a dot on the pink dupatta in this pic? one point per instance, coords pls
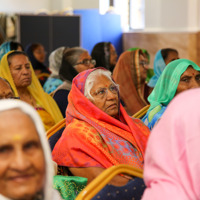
(172, 160)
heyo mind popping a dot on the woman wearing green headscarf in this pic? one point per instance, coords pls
(179, 75)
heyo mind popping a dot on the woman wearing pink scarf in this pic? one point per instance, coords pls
(172, 160)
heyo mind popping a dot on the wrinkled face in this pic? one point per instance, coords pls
(172, 55)
(105, 94)
(5, 90)
(22, 169)
(113, 55)
(143, 62)
(82, 66)
(189, 79)
(20, 71)
(39, 53)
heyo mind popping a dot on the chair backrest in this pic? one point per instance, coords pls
(141, 112)
(105, 177)
(55, 128)
(46, 75)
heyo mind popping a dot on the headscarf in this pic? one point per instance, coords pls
(172, 158)
(165, 89)
(158, 67)
(35, 63)
(101, 53)
(4, 48)
(92, 138)
(150, 72)
(35, 89)
(127, 75)
(6, 105)
(55, 60)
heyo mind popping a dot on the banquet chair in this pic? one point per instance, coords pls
(105, 177)
(141, 112)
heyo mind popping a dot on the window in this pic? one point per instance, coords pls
(137, 12)
(132, 12)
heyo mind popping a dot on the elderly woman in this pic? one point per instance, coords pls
(130, 73)
(162, 58)
(26, 170)
(172, 159)
(99, 133)
(55, 60)
(6, 91)
(105, 55)
(75, 60)
(179, 75)
(16, 68)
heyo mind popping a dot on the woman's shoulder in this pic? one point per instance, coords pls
(77, 126)
(152, 116)
(51, 84)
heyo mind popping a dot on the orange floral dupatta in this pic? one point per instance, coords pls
(94, 139)
(127, 74)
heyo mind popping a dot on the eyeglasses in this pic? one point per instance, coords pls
(143, 63)
(87, 62)
(102, 93)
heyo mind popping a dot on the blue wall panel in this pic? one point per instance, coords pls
(99, 28)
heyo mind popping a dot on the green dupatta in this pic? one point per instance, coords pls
(165, 88)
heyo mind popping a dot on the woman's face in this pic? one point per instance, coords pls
(39, 53)
(143, 62)
(82, 67)
(189, 79)
(22, 169)
(5, 90)
(20, 71)
(105, 95)
(172, 55)
(113, 55)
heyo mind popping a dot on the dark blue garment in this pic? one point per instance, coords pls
(132, 190)
(55, 137)
(61, 98)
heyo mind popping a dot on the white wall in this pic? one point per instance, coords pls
(27, 6)
(172, 15)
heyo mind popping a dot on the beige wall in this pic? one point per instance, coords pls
(187, 44)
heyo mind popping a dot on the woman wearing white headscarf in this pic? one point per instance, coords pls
(26, 170)
(55, 60)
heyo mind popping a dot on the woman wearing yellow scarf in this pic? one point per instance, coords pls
(17, 69)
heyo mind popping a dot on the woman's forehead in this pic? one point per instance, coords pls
(102, 81)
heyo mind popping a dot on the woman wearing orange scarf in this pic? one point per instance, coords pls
(130, 73)
(99, 133)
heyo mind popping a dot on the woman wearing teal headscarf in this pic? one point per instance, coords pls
(162, 58)
(179, 75)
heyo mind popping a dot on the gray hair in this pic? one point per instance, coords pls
(73, 54)
(91, 79)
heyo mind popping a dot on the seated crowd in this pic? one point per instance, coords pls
(97, 95)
